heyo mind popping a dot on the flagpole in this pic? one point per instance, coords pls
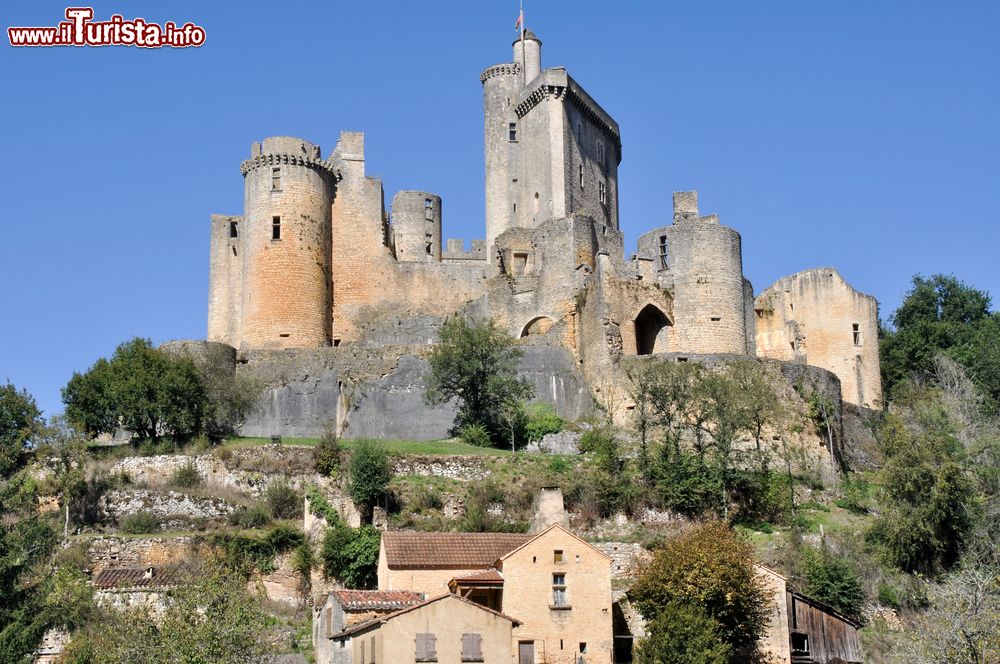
(524, 56)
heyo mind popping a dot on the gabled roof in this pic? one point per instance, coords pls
(486, 577)
(409, 550)
(545, 532)
(140, 577)
(362, 626)
(375, 600)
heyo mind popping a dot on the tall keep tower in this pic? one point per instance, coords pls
(286, 236)
(551, 150)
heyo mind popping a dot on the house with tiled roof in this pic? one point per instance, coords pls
(554, 583)
(128, 587)
(446, 628)
(341, 610)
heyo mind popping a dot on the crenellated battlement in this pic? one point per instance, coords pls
(504, 69)
(264, 160)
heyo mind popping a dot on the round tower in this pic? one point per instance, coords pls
(705, 261)
(288, 191)
(501, 87)
(529, 57)
(416, 226)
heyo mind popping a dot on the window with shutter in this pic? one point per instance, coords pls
(472, 648)
(426, 648)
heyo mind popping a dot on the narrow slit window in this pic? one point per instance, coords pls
(602, 193)
(600, 154)
(275, 228)
(581, 176)
(663, 252)
(276, 178)
(234, 230)
(856, 333)
(428, 209)
(428, 242)
(512, 132)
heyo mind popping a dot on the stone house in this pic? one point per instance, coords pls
(342, 610)
(446, 628)
(557, 585)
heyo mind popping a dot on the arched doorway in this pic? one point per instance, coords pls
(648, 324)
(535, 326)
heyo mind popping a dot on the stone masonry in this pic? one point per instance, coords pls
(317, 262)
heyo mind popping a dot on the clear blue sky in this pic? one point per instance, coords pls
(862, 135)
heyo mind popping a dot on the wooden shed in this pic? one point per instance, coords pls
(819, 634)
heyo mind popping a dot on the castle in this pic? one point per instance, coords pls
(316, 261)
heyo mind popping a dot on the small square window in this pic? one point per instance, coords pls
(583, 647)
(557, 556)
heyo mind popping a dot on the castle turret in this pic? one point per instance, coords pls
(501, 87)
(528, 56)
(704, 262)
(288, 190)
(416, 226)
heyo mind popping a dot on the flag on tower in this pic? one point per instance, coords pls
(520, 21)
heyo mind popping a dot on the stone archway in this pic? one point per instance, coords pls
(537, 326)
(648, 325)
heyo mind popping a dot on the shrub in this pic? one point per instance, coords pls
(254, 516)
(855, 490)
(475, 434)
(370, 474)
(832, 580)
(351, 555)
(426, 498)
(283, 501)
(541, 419)
(244, 552)
(186, 476)
(685, 483)
(139, 523)
(326, 455)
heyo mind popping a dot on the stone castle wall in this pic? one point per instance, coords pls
(817, 318)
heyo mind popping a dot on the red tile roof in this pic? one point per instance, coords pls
(139, 577)
(375, 600)
(362, 626)
(486, 577)
(406, 550)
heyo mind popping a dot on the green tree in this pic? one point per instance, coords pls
(832, 580)
(350, 555)
(711, 567)
(20, 421)
(141, 389)
(927, 497)
(683, 633)
(371, 473)
(941, 313)
(476, 364)
(229, 394)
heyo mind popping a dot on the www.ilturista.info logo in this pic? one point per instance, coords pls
(81, 30)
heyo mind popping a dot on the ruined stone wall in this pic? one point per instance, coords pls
(225, 279)
(416, 226)
(370, 287)
(286, 272)
(818, 318)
